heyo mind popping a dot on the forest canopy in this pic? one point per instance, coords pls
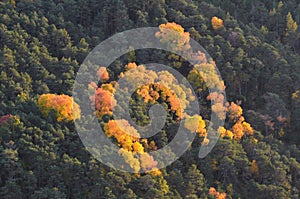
(254, 44)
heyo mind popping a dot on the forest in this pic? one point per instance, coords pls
(255, 45)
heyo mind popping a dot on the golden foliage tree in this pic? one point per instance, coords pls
(125, 134)
(234, 111)
(195, 124)
(291, 25)
(254, 168)
(63, 105)
(173, 34)
(240, 127)
(131, 147)
(216, 23)
(218, 195)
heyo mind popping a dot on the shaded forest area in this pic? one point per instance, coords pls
(255, 45)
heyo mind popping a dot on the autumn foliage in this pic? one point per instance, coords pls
(216, 194)
(152, 92)
(8, 119)
(103, 100)
(173, 34)
(63, 106)
(131, 148)
(240, 127)
(102, 74)
(196, 124)
(125, 134)
(216, 23)
(131, 65)
(156, 87)
(254, 168)
(234, 111)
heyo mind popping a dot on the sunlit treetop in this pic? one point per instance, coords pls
(254, 168)
(234, 111)
(109, 87)
(130, 65)
(103, 74)
(174, 36)
(295, 95)
(216, 23)
(152, 92)
(131, 146)
(225, 133)
(216, 194)
(103, 100)
(240, 127)
(195, 124)
(172, 26)
(291, 25)
(63, 106)
(125, 134)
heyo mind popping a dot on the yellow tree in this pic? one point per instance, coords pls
(216, 23)
(173, 34)
(175, 38)
(291, 25)
(63, 106)
(254, 168)
(131, 147)
(195, 124)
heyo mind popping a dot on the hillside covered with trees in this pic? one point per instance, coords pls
(254, 44)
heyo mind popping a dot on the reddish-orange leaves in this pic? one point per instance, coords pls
(238, 131)
(63, 106)
(175, 105)
(240, 126)
(103, 101)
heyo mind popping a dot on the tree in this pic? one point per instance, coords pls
(216, 23)
(291, 25)
(102, 74)
(103, 102)
(254, 170)
(62, 105)
(291, 31)
(195, 124)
